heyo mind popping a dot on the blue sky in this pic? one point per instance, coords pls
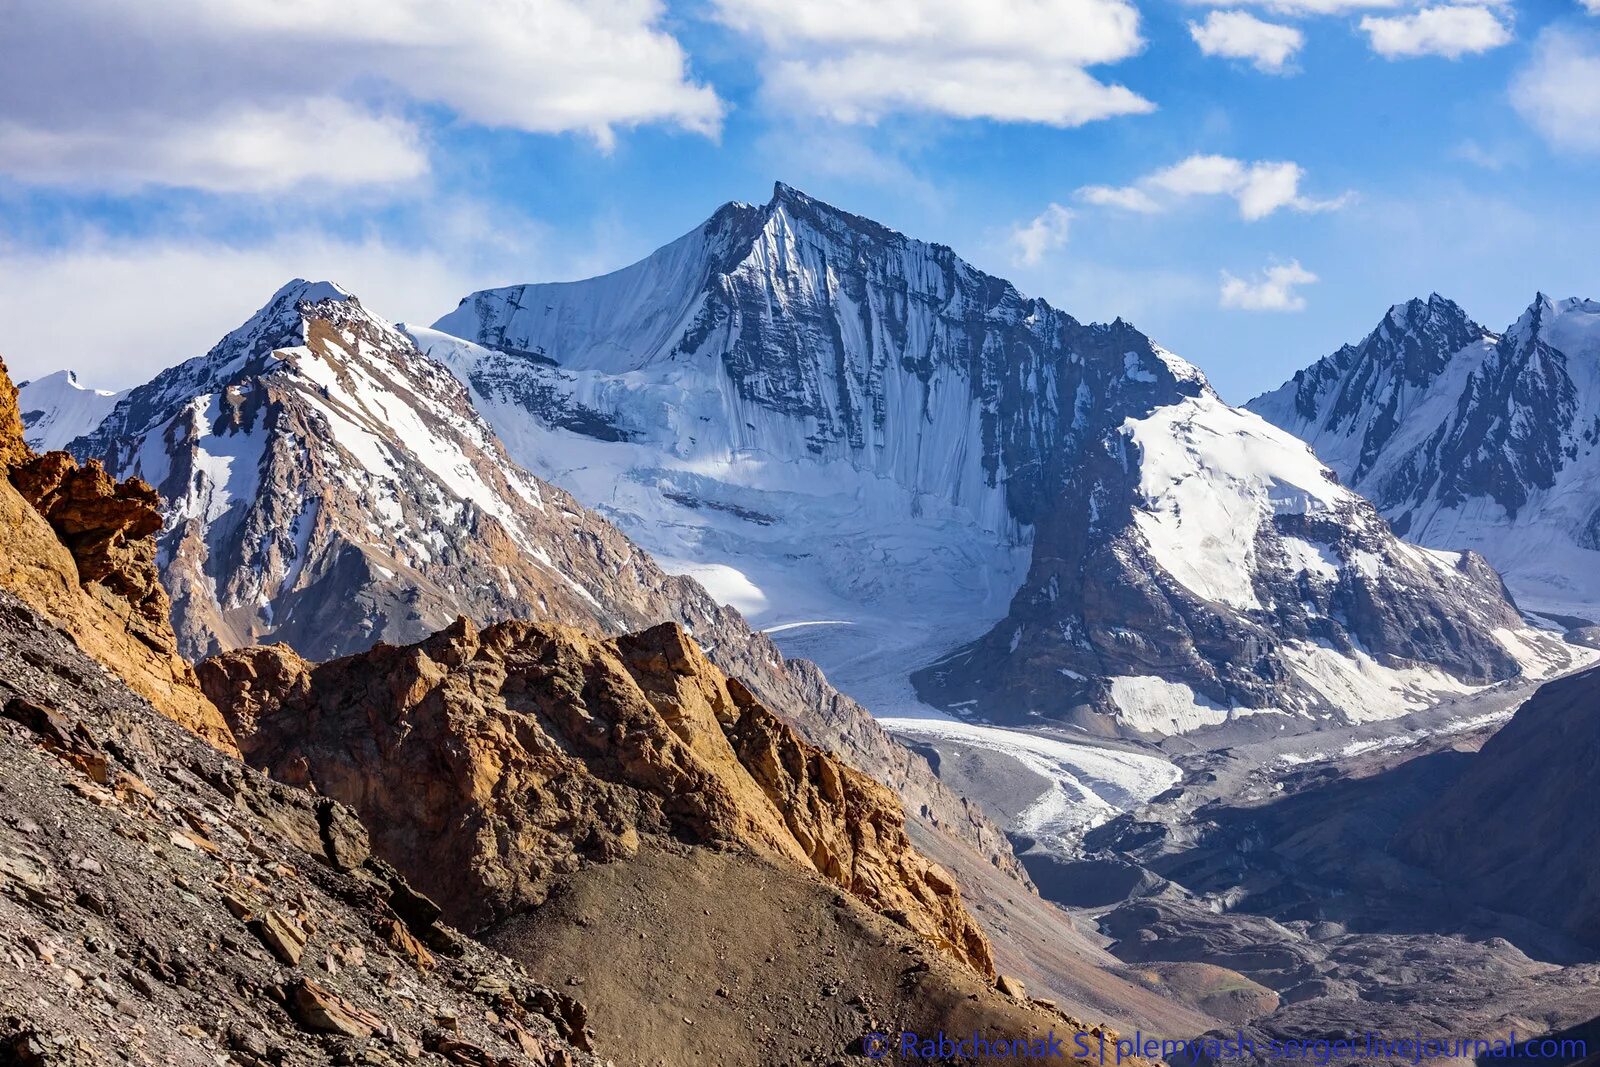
(163, 167)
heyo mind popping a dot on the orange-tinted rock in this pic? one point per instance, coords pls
(80, 547)
(488, 764)
(13, 449)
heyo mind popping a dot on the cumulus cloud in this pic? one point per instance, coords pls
(1259, 188)
(1009, 60)
(1450, 30)
(1240, 35)
(262, 95)
(1302, 8)
(1046, 232)
(1558, 92)
(1271, 290)
(244, 149)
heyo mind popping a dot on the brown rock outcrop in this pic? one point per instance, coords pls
(13, 449)
(487, 765)
(162, 904)
(79, 547)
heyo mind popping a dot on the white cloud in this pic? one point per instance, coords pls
(262, 95)
(1302, 8)
(1591, 6)
(1259, 189)
(1010, 60)
(1450, 30)
(1127, 197)
(1272, 289)
(1046, 232)
(1558, 92)
(248, 150)
(156, 302)
(1240, 35)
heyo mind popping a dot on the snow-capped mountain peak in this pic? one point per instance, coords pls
(328, 485)
(828, 420)
(59, 407)
(1494, 448)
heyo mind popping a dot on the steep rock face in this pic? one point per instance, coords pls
(328, 486)
(78, 546)
(1517, 829)
(1468, 439)
(13, 449)
(795, 398)
(488, 764)
(165, 904)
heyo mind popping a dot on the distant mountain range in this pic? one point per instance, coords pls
(883, 455)
(837, 423)
(1471, 439)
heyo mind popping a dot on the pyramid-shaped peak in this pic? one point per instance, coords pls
(303, 291)
(1434, 308)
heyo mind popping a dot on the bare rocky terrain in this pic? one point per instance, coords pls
(1371, 889)
(618, 815)
(160, 903)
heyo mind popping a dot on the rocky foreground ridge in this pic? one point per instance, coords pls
(161, 903)
(164, 903)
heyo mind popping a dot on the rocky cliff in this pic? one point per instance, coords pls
(79, 546)
(490, 764)
(160, 903)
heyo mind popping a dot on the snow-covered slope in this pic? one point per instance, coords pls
(1466, 439)
(884, 453)
(58, 408)
(328, 486)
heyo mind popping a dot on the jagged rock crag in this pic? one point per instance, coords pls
(1468, 438)
(160, 903)
(79, 546)
(491, 763)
